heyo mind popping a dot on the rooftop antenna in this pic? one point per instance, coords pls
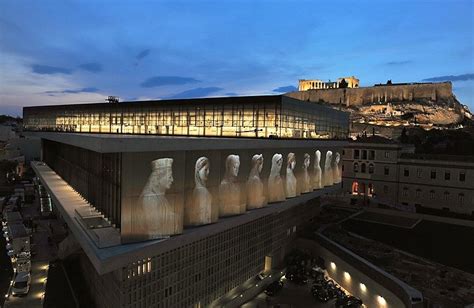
(112, 99)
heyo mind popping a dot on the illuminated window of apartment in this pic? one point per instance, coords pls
(406, 172)
(418, 172)
(387, 154)
(356, 167)
(461, 199)
(362, 168)
(385, 189)
(405, 191)
(371, 168)
(371, 154)
(364, 154)
(418, 193)
(433, 174)
(356, 154)
(447, 175)
(370, 191)
(462, 176)
(355, 188)
(386, 170)
(446, 195)
(432, 194)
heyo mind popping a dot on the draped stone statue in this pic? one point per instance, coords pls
(276, 191)
(328, 176)
(305, 179)
(255, 195)
(336, 171)
(230, 202)
(290, 176)
(317, 172)
(159, 217)
(199, 209)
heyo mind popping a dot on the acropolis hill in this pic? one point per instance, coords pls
(392, 105)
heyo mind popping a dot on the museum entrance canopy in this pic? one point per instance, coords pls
(252, 116)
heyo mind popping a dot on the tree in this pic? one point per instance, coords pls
(343, 84)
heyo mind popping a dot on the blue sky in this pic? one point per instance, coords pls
(54, 52)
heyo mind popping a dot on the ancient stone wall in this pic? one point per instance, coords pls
(384, 93)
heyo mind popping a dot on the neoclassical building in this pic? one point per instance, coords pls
(385, 173)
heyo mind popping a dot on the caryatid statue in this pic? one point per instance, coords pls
(290, 176)
(230, 202)
(276, 192)
(305, 178)
(199, 209)
(336, 171)
(328, 176)
(159, 217)
(317, 172)
(255, 195)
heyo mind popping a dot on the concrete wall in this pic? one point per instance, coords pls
(365, 95)
(350, 271)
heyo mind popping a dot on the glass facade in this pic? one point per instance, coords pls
(255, 116)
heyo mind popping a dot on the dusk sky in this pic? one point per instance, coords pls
(55, 52)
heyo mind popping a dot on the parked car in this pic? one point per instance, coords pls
(21, 284)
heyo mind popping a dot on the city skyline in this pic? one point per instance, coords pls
(56, 53)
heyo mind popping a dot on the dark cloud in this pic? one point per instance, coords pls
(197, 92)
(142, 54)
(398, 63)
(463, 77)
(159, 81)
(73, 91)
(231, 94)
(91, 67)
(285, 89)
(49, 70)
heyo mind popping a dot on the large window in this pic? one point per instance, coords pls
(371, 168)
(433, 174)
(462, 176)
(356, 154)
(406, 172)
(386, 170)
(356, 167)
(447, 175)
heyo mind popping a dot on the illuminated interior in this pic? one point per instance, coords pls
(257, 117)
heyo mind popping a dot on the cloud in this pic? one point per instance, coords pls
(285, 89)
(398, 63)
(463, 77)
(159, 81)
(48, 70)
(73, 91)
(91, 67)
(143, 54)
(231, 94)
(197, 92)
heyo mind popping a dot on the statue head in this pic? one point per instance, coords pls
(317, 157)
(232, 165)
(291, 163)
(257, 163)
(277, 162)
(307, 161)
(161, 176)
(328, 158)
(337, 158)
(201, 171)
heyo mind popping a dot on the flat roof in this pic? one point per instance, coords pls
(108, 259)
(113, 143)
(17, 230)
(260, 99)
(13, 216)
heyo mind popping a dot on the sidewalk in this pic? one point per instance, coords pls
(42, 252)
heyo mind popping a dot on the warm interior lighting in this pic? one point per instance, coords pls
(347, 275)
(333, 265)
(363, 287)
(381, 300)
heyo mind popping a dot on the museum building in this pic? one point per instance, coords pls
(174, 203)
